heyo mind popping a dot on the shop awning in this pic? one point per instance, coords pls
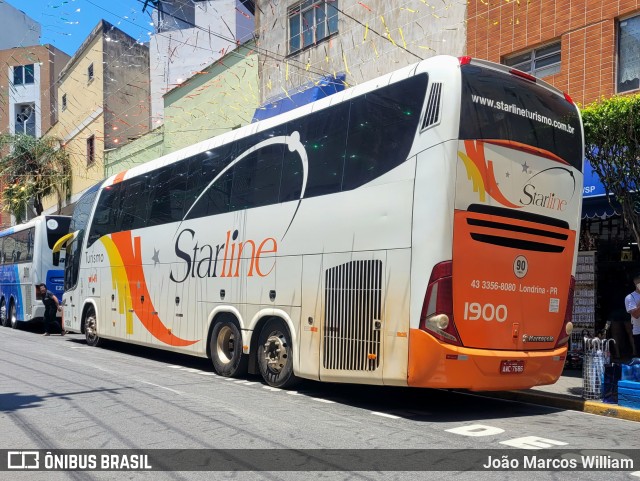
(301, 96)
(599, 208)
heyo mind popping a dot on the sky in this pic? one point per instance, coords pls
(67, 23)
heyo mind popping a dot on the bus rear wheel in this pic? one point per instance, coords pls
(275, 354)
(4, 318)
(13, 316)
(91, 328)
(226, 350)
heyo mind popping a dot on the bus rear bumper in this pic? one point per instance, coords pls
(434, 364)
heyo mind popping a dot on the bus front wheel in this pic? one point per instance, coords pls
(13, 316)
(4, 318)
(275, 354)
(226, 350)
(90, 328)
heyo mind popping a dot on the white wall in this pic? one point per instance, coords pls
(18, 30)
(177, 55)
(25, 94)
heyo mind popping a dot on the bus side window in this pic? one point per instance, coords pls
(324, 136)
(133, 212)
(8, 248)
(211, 199)
(382, 127)
(256, 178)
(166, 199)
(106, 216)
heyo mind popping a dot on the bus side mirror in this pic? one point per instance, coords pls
(56, 258)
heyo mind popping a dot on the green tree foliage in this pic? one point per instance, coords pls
(612, 141)
(31, 170)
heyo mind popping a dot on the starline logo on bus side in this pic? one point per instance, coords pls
(202, 260)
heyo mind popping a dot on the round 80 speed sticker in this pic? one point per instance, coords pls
(520, 266)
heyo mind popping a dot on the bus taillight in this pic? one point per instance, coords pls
(437, 309)
(524, 75)
(568, 98)
(567, 325)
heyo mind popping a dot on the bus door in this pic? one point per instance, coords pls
(352, 323)
(311, 317)
(70, 245)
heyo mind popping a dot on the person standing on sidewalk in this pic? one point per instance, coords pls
(51, 308)
(632, 303)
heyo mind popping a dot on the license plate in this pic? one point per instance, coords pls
(511, 367)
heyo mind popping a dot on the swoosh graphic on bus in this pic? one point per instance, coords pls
(480, 172)
(119, 281)
(292, 142)
(130, 254)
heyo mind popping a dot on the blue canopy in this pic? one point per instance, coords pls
(592, 185)
(303, 95)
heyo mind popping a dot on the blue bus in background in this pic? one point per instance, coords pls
(25, 261)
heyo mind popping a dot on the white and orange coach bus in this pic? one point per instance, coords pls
(419, 229)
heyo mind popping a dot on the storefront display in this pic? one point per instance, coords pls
(584, 306)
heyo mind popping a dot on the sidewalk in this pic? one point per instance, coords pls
(567, 394)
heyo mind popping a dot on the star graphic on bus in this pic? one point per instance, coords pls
(156, 257)
(525, 167)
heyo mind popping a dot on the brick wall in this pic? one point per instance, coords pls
(587, 30)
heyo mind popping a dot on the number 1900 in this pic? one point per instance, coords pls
(474, 311)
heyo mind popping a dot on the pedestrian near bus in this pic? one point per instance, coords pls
(621, 332)
(51, 308)
(632, 303)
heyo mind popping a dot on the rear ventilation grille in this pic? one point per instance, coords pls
(352, 321)
(432, 114)
(521, 237)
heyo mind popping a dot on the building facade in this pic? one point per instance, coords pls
(28, 93)
(102, 102)
(28, 88)
(300, 42)
(222, 97)
(189, 36)
(588, 49)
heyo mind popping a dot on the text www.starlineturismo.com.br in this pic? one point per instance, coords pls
(514, 109)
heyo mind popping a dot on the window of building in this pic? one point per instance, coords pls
(310, 22)
(90, 73)
(26, 119)
(91, 150)
(23, 74)
(629, 54)
(64, 102)
(541, 62)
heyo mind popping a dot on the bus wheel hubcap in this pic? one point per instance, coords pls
(275, 352)
(225, 345)
(90, 327)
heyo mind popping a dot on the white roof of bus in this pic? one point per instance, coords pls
(444, 61)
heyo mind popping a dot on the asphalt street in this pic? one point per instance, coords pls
(58, 393)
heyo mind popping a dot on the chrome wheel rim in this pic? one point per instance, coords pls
(276, 353)
(225, 345)
(90, 328)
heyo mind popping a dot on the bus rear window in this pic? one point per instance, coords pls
(499, 106)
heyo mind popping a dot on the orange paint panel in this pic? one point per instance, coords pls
(434, 364)
(131, 254)
(506, 273)
(119, 177)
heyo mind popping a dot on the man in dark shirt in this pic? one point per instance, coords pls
(51, 308)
